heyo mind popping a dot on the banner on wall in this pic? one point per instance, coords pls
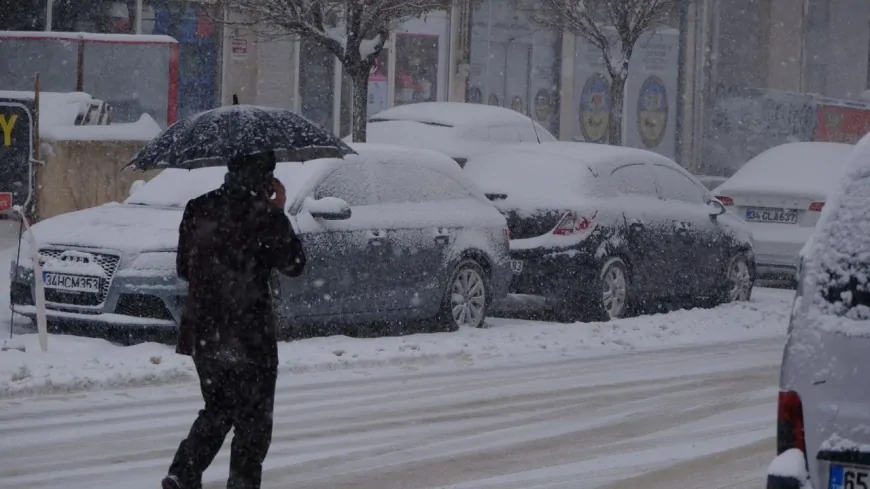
(649, 115)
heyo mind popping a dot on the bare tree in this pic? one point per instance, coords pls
(355, 31)
(605, 24)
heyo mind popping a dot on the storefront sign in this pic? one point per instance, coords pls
(837, 124)
(16, 143)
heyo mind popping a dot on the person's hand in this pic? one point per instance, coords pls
(280, 198)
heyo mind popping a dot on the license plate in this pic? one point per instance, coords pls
(771, 215)
(71, 283)
(517, 266)
(846, 477)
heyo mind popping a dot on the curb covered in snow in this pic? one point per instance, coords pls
(75, 364)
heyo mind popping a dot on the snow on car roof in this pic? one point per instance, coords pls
(175, 187)
(452, 114)
(423, 136)
(806, 169)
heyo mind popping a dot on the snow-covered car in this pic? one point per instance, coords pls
(780, 194)
(599, 229)
(460, 130)
(823, 415)
(390, 234)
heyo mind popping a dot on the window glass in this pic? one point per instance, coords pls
(105, 17)
(675, 186)
(408, 183)
(350, 183)
(635, 180)
(416, 68)
(317, 83)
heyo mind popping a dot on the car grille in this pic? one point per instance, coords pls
(108, 262)
(143, 306)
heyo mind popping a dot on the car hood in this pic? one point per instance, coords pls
(126, 228)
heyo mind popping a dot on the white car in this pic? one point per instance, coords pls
(461, 130)
(780, 194)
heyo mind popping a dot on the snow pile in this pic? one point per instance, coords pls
(791, 464)
(145, 129)
(77, 363)
(58, 112)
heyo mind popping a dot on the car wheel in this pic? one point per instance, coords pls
(738, 280)
(614, 289)
(466, 298)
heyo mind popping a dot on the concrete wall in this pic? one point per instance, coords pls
(82, 174)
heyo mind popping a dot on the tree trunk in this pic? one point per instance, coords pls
(617, 108)
(360, 104)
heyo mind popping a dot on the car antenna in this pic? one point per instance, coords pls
(535, 128)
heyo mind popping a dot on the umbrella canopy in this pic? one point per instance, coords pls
(211, 138)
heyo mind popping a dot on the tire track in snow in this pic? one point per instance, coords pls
(417, 430)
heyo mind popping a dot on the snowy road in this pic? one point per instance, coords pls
(690, 417)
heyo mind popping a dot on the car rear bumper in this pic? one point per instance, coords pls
(554, 273)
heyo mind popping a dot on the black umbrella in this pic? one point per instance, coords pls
(211, 138)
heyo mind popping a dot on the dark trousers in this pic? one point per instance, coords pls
(239, 396)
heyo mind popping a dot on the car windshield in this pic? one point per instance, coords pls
(174, 188)
(428, 123)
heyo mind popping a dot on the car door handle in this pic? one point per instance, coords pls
(442, 236)
(376, 237)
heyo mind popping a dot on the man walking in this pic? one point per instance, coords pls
(230, 240)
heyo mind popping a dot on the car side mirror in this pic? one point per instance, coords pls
(327, 208)
(716, 208)
(136, 186)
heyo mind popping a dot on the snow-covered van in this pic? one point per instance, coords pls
(823, 419)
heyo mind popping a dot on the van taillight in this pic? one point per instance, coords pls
(790, 423)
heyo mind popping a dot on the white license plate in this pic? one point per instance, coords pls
(846, 477)
(517, 266)
(771, 215)
(71, 283)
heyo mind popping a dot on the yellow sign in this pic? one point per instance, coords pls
(6, 126)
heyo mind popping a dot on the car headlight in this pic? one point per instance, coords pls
(157, 262)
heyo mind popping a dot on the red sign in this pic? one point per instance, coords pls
(240, 48)
(841, 124)
(5, 201)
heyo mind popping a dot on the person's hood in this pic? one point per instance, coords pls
(125, 228)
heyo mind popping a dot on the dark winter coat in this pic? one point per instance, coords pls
(229, 243)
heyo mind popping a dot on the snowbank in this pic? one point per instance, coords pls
(76, 363)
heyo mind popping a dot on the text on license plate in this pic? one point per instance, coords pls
(72, 283)
(845, 477)
(517, 266)
(771, 215)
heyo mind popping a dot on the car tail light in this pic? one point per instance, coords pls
(790, 423)
(817, 206)
(725, 200)
(573, 223)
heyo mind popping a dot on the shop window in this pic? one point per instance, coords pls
(194, 26)
(316, 83)
(99, 16)
(22, 15)
(378, 85)
(416, 68)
